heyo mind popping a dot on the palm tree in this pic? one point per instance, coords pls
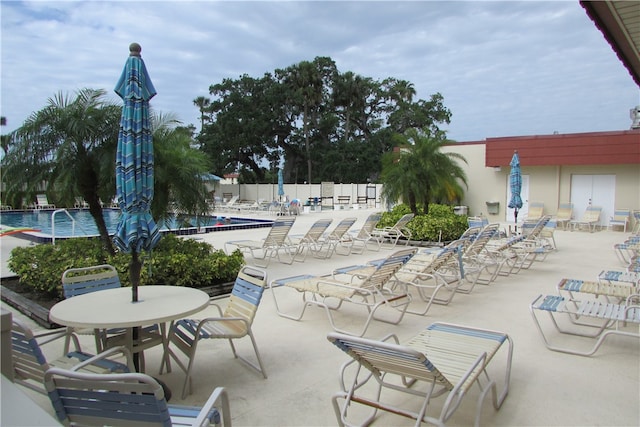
(309, 82)
(419, 173)
(203, 103)
(69, 146)
(179, 169)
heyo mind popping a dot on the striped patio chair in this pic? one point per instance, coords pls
(30, 364)
(234, 322)
(127, 400)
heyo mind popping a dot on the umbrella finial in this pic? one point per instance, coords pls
(134, 49)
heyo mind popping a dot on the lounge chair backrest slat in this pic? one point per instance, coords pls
(342, 228)
(381, 358)
(317, 230)
(79, 281)
(279, 232)
(127, 400)
(370, 223)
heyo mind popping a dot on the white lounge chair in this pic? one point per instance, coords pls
(272, 246)
(589, 220)
(444, 359)
(334, 239)
(311, 241)
(564, 215)
(604, 315)
(367, 290)
(365, 237)
(397, 231)
(43, 203)
(620, 218)
(536, 210)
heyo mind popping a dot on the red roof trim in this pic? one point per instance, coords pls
(595, 148)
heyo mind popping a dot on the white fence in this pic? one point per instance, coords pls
(326, 194)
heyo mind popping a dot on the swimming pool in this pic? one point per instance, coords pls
(38, 225)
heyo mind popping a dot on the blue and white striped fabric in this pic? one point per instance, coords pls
(515, 182)
(136, 230)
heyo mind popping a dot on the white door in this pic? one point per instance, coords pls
(593, 190)
(524, 195)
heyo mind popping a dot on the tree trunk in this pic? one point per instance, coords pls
(95, 209)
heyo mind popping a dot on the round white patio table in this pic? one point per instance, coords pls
(113, 308)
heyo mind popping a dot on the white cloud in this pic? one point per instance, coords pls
(504, 68)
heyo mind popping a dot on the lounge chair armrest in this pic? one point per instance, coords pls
(213, 304)
(219, 394)
(630, 299)
(345, 365)
(225, 319)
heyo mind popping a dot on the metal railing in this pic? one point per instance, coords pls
(53, 224)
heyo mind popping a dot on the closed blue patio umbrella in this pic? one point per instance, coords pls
(136, 230)
(280, 184)
(515, 184)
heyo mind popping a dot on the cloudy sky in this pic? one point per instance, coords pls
(504, 68)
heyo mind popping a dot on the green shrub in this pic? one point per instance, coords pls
(441, 224)
(175, 261)
(389, 219)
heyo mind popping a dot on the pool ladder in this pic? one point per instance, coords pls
(53, 224)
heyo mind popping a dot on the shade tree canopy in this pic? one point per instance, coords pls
(320, 123)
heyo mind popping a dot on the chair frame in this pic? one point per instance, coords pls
(130, 399)
(477, 262)
(262, 251)
(432, 274)
(311, 241)
(397, 231)
(620, 218)
(359, 242)
(535, 211)
(42, 202)
(82, 280)
(338, 237)
(564, 215)
(448, 359)
(368, 290)
(605, 315)
(590, 219)
(628, 249)
(234, 322)
(30, 364)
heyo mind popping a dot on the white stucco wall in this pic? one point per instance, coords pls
(548, 184)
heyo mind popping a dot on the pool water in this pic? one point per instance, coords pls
(40, 221)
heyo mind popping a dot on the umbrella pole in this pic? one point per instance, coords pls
(515, 214)
(135, 267)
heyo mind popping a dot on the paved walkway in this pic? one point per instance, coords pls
(547, 388)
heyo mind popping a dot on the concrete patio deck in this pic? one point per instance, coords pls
(547, 388)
